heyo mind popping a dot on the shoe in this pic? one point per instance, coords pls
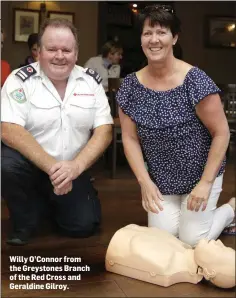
(19, 237)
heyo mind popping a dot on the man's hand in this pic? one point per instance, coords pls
(62, 173)
(64, 190)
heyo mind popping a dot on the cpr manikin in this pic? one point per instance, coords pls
(156, 256)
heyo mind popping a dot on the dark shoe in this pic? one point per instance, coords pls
(19, 237)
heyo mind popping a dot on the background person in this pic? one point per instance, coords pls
(49, 110)
(171, 116)
(5, 67)
(33, 49)
(107, 64)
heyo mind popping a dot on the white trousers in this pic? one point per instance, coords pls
(191, 226)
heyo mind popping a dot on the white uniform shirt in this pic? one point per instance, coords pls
(62, 128)
(97, 64)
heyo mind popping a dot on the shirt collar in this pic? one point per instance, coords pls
(76, 73)
(107, 64)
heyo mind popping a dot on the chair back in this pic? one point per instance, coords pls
(113, 86)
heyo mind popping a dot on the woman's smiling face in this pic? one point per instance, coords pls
(157, 41)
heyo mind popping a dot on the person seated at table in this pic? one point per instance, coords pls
(107, 64)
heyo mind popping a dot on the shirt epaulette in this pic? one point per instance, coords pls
(25, 72)
(94, 74)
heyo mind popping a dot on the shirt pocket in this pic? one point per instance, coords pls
(44, 114)
(82, 112)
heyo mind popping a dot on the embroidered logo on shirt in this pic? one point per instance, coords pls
(29, 69)
(94, 74)
(25, 72)
(18, 95)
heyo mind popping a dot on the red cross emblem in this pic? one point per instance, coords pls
(29, 69)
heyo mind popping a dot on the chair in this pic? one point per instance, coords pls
(113, 86)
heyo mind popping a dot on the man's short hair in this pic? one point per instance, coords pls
(58, 23)
(110, 47)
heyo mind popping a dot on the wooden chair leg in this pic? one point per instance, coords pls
(114, 144)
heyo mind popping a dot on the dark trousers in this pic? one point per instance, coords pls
(29, 194)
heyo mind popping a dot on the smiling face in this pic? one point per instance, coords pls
(157, 42)
(58, 53)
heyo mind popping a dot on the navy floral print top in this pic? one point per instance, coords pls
(174, 141)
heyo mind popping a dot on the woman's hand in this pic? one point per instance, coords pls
(199, 196)
(151, 197)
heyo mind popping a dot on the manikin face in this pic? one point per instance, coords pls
(212, 247)
(58, 53)
(115, 57)
(157, 42)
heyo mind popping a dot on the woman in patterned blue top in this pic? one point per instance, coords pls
(172, 117)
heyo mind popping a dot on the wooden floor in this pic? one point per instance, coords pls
(121, 205)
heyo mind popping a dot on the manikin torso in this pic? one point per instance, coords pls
(156, 256)
(151, 255)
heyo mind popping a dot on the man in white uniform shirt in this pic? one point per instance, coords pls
(107, 65)
(55, 123)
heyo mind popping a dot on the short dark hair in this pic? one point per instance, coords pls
(32, 39)
(160, 14)
(58, 23)
(110, 47)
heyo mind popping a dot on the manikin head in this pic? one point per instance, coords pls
(217, 262)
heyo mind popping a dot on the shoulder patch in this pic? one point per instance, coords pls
(25, 72)
(18, 95)
(94, 74)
